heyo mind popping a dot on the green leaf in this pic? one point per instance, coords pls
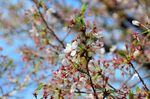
(95, 77)
(112, 96)
(122, 53)
(88, 34)
(42, 98)
(83, 8)
(81, 46)
(79, 20)
(41, 3)
(111, 91)
(35, 95)
(131, 95)
(83, 60)
(138, 90)
(39, 87)
(9, 63)
(93, 38)
(37, 67)
(90, 54)
(76, 65)
(147, 31)
(148, 34)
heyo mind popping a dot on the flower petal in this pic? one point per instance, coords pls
(74, 45)
(73, 53)
(68, 48)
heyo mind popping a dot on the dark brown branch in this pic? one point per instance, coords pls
(111, 86)
(79, 91)
(139, 76)
(82, 71)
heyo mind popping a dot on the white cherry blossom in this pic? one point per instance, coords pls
(135, 76)
(136, 53)
(82, 79)
(73, 87)
(113, 48)
(33, 30)
(102, 50)
(98, 34)
(65, 62)
(51, 10)
(73, 53)
(65, 28)
(74, 44)
(68, 48)
(135, 22)
(75, 60)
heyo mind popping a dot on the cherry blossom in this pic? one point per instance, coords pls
(135, 76)
(102, 50)
(65, 62)
(113, 48)
(50, 10)
(136, 53)
(73, 53)
(73, 87)
(70, 47)
(135, 22)
(98, 34)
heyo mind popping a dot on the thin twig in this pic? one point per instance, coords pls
(79, 91)
(147, 76)
(111, 86)
(67, 34)
(139, 76)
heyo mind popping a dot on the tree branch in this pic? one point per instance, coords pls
(53, 33)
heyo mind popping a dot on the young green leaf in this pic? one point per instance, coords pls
(9, 63)
(83, 8)
(37, 67)
(79, 20)
(40, 86)
(131, 95)
(138, 90)
(122, 53)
